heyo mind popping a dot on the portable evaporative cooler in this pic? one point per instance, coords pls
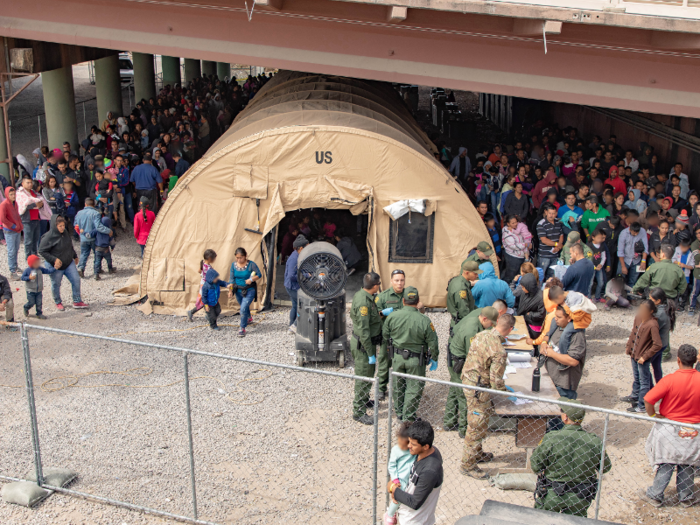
(322, 276)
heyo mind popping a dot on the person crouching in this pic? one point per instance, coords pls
(211, 290)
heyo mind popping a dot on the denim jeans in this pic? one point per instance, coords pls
(102, 253)
(293, 294)
(656, 365)
(44, 227)
(685, 481)
(642, 381)
(31, 237)
(143, 247)
(545, 263)
(85, 248)
(34, 299)
(632, 274)
(12, 240)
(693, 295)
(71, 273)
(565, 392)
(599, 280)
(245, 301)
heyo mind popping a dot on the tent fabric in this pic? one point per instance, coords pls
(302, 154)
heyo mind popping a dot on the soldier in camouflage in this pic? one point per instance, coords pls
(456, 407)
(414, 343)
(366, 334)
(567, 462)
(484, 367)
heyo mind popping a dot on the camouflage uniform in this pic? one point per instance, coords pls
(568, 461)
(486, 360)
(413, 333)
(387, 299)
(366, 326)
(456, 406)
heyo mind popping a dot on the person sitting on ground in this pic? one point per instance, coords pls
(643, 343)
(419, 501)
(489, 288)
(211, 290)
(568, 465)
(400, 464)
(616, 291)
(351, 255)
(671, 448)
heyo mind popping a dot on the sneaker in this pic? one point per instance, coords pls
(365, 419)
(382, 395)
(80, 305)
(651, 501)
(250, 320)
(691, 311)
(462, 434)
(602, 300)
(15, 276)
(3, 242)
(352, 270)
(680, 308)
(112, 270)
(11, 328)
(215, 328)
(81, 273)
(241, 332)
(369, 403)
(41, 316)
(97, 277)
(389, 520)
(686, 504)
(666, 358)
(474, 472)
(485, 457)
(189, 316)
(628, 399)
(451, 428)
(606, 306)
(60, 307)
(26, 312)
(636, 410)
(293, 329)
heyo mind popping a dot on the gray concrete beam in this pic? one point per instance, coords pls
(59, 104)
(4, 167)
(144, 76)
(108, 84)
(208, 67)
(193, 69)
(171, 70)
(223, 70)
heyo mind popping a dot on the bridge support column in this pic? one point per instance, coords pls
(223, 70)
(193, 69)
(5, 167)
(208, 67)
(108, 84)
(59, 104)
(144, 77)
(171, 70)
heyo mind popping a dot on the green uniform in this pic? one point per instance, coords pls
(475, 257)
(572, 456)
(387, 299)
(456, 406)
(666, 275)
(460, 301)
(366, 326)
(486, 360)
(565, 255)
(410, 331)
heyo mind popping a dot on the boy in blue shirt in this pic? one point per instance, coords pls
(33, 277)
(211, 290)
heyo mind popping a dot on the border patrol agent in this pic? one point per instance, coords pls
(460, 301)
(366, 334)
(414, 343)
(484, 367)
(482, 254)
(388, 301)
(567, 463)
(456, 406)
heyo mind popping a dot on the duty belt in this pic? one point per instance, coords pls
(376, 340)
(408, 354)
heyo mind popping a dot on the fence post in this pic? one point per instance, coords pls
(85, 119)
(29, 382)
(376, 449)
(602, 464)
(390, 394)
(38, 118)
(189, 433)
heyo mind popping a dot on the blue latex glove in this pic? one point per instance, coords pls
(372, 360)
(387, 311)
(511, 398)
(509, 389)
(433, 365)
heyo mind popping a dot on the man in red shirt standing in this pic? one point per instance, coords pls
(616, 182)
(671, 447)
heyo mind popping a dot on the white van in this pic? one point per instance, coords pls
(126, 68)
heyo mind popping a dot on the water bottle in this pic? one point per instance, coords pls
(536, 380)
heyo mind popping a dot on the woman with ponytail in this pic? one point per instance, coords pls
(143, 221)
(666, 316)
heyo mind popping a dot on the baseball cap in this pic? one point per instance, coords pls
(485, 248)
(490, 313)
(471, 266)
(410, 293)
(574, 413)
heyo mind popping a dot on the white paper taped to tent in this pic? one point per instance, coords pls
(401, 208)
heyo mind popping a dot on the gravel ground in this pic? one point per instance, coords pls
(269, 442)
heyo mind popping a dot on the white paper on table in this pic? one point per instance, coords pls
(521, 364)
(519, 401)
(515, 337)
(511, 370)
(508, 343)
(519, 357)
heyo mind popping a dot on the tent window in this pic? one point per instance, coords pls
(412, 242)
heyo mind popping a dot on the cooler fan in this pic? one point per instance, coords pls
(322, 276)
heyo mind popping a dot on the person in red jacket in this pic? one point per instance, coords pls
(616, 182)
(143, 221)
(12, 229)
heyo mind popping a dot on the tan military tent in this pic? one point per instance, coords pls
(313, 141)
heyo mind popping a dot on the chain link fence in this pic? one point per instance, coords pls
(207, 437)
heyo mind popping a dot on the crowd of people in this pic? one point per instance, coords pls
(120, 173)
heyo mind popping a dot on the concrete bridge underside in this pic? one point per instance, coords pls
(628, 66)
